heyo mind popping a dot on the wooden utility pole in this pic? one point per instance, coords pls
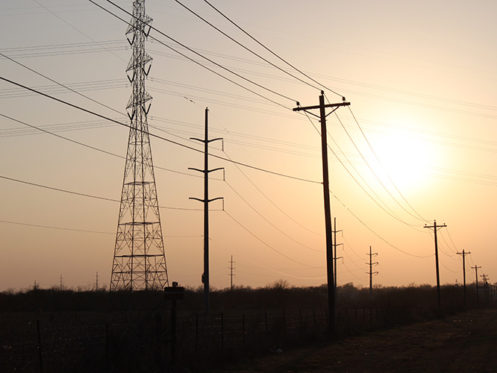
(475, 267)
(371, 273)
(464, 253)
(206, 201)
(335, 257)
(435, 230)
(326, 192)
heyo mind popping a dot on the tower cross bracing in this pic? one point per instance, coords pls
(139, 256)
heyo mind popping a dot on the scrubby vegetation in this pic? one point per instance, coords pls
(132, 331)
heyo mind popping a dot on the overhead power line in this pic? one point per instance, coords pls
(87, 195)
(270, 51)
(53, 227)
(196, 62)
(377, 234)
(245, 47)
(373, 172)
(268, 220)
(198, 54)
(270, 200)
(375, 200)
(88, 146)
(105, 83)
(157, 136)
(265, 243)
(388, 175)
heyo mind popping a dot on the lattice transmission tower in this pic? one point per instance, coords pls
(139, 257)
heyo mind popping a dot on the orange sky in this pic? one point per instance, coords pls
(420, 77)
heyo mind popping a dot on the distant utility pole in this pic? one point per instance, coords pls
(61, 286)
(475, 267)
(484, 279)
(464, 253)
(96, 282)
(326, 192)
(335, 244)
(435, 230)
(371, 273)
(206, 201)
(232, 272)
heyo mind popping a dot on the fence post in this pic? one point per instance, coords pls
(243, 328)
(158, 340)
(107, 346)
(222, 331)
(196, 332)
(301, 323)
(40, 357)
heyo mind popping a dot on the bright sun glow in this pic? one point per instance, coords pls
(406, 157)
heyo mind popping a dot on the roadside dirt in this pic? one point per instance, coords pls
(466, 342)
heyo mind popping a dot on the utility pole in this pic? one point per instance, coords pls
(486, 292)
(435, 230)
(96, 282)
(475, 267)
(464, 253)
(206, 201)
(61, 286)
(232, 272)
(335, 244)
(371, 273)
(326, 192)
(484, 278)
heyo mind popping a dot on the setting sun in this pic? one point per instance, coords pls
(405, 156)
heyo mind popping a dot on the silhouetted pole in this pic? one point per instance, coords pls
(173, 293)
(335, 257)
(327, 208)
(435, 229)
(476, 283)
(206, 201)
(371, 273)
(464, 253)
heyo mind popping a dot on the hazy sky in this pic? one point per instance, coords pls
(421, 78)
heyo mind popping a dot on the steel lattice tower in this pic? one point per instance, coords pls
(139, 258)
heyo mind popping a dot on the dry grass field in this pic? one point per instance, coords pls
(465, 342)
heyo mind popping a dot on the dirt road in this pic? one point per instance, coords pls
(466, 342)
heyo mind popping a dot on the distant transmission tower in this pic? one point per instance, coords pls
(139, 257)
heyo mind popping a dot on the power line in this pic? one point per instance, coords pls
(82, 194)
(270, 51)
(384, 208)
(196, 53)
(269, 221)
(196, 62)
(450, 238)
(86, 145)
(245, 47)
(53, 227)
(157, 136)
(377, 234)
(270, 200)
(371, 191)
(379, 161)
(265, 243)
(373, 172)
